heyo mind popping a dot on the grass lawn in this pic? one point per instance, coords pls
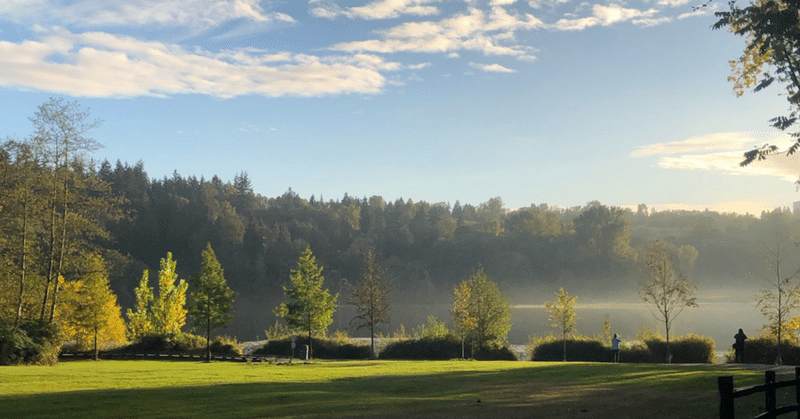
(393, 389)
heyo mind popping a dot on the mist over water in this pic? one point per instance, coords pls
(718, 317)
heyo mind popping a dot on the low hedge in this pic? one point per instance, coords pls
(684, 349)
(181, 343)
(320, 348)
(440, 348)
(762, 350)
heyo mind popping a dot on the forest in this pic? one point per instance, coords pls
(59, 209)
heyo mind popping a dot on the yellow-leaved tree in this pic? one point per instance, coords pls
(164, 315)
(90, 314)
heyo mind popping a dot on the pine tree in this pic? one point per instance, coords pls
(211, 302)
(310, 308)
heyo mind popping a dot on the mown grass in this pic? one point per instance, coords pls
(394, 389)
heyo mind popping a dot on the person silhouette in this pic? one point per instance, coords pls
(739, 346)
(615, 347)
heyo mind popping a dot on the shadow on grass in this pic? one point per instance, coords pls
(553, 391)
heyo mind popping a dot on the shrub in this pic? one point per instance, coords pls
(225, 345)
(33, 342)
(684, 349)
(447, 347)
(579, 348)
(152, 343)
(764, 350)
(321, 348)
(435, 329)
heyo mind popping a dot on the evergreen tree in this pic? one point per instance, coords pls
(211, 302)
(310, 308)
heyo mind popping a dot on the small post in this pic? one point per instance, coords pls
(725, 385)
(769, 392)
(797, 388)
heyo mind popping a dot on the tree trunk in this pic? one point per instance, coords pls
(208, 333)
(23, 265)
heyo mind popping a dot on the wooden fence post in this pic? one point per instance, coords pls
(797, 388)
(725, 385)
(769, 392)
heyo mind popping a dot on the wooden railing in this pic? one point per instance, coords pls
(727, 394)
(169, 356)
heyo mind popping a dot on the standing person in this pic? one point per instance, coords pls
(615, 347)
(739, 345)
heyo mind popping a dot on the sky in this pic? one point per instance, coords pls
(535, 101)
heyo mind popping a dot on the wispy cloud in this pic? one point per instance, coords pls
(381, 9)
(722, 152)
(492, 68)
(608, 15)
(100, 64)
(472, 31)
(198, 14)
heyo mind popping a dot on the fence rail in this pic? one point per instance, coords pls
(170, 356)
(727, 395)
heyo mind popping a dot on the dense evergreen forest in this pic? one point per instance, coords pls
(57, 206)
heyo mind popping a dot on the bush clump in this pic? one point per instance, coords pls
(337, 348)
(432, 348)
(653, 349)
(33, 342)
(180, 343)
(764, 350)
(579, 348)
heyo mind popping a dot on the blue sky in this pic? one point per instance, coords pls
(557, 102)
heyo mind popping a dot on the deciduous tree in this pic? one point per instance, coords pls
(778, 302)
(666, 289)
(370, 295)
(211, 302)
(771, 29)
(485, 306)
(562, 315)
(463, 320)
(310, 307)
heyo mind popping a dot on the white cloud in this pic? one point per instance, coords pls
(492, 68)
(607, 16)
(197, 14)
(722, 141)
(722, 152)
(382, 9)
(474, 31)
(672, 3)
(502, 2)
(98, 64)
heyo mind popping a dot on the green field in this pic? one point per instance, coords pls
(395, 389)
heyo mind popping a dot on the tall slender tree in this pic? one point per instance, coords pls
(667, 289)
(211, 302)
(371, 298)
(562, 315)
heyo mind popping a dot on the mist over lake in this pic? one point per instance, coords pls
(718, 317)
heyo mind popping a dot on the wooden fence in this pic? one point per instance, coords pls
(170, 356)
(727, 394)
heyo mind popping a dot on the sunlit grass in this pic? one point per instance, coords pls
(156, 389)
